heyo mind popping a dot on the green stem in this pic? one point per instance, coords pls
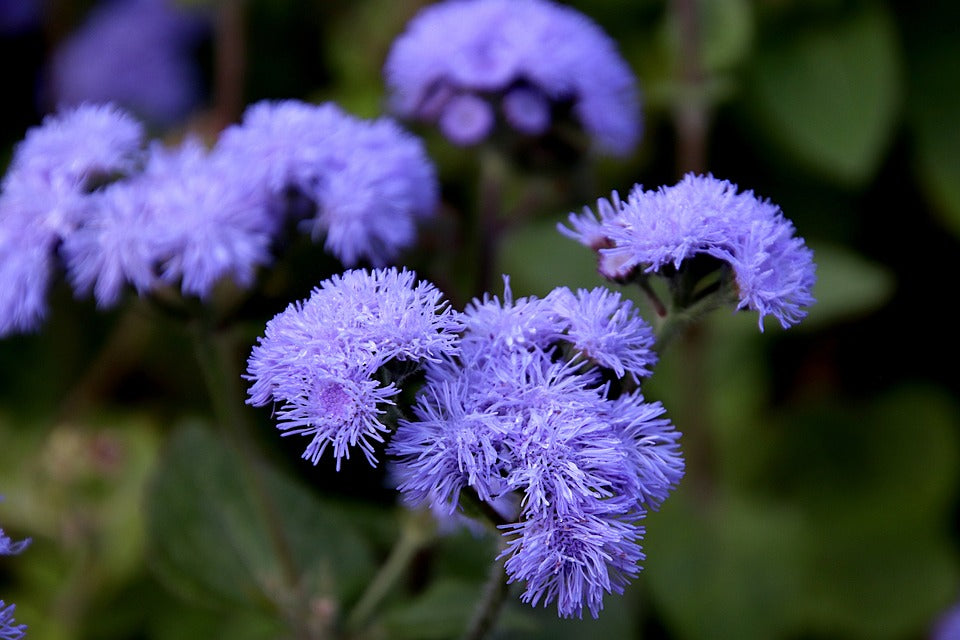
(678, 320)
(488, 224)
(658, 307)
(417, 530)
(491, 602)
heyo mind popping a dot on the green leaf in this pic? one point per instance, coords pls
(442, 611)
(828, 93)
(728, 27)
(933, 103)
(727, 572)
(876, 484)
(229, 535)
(538, 258)
(848, 286)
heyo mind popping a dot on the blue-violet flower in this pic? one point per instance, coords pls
(9, 629)
(322, 359)
(369, 182)
(48, 191)
(523, 410)
(460, 61)
(772, 268)
(135, 53)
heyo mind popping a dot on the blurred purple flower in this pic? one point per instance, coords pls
(46, 194)
(947, 626)
(187, 219)
(19, 15)
(320, 358)
(136, 53)
(773, 268)
(531, 54)
(369, 181)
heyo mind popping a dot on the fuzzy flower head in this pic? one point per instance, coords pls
(136, 53)
(65, 158)
(368, 182)
(947, 625)
(9, 629)
(186, 219)
(48, 192)
(322, 359)
(660, 231)
(465, 64)
(522, 413)
(10, 548)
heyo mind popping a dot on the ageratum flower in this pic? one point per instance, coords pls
(47, 192)
(10, 548)
(368, 182)
(947, 626)
(135, 53)
(64, 159)
(460, 63)
(322, 360)
(187, 219)
(522, 411)
(9, 629)
(652, 231)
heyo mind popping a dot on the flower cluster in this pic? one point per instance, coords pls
(118, 46)
(526, 408)
(657, 231)
(84, 191)
(368, 182)
(326, 360)
(460, 61)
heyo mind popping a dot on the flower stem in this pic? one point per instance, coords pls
(488, 223)
(491, 602)
(417, 531)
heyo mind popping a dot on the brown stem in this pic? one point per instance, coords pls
(491, 602)
(229, 62)
(691, 118)
(690, 112)
(488, 222)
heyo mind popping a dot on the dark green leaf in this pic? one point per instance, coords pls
(225, 533)
(828, 94)
(933, 104)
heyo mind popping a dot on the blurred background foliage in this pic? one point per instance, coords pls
(821, 499)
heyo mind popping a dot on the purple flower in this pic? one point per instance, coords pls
(369, 181)
(607, 330)
(47, 194)
(136, 53)
(26, 266)
(66, 157)
(530, 58)
(320, 358)
(522, 411)
(9, 629)
(17, 16)
(187, 219)
(574, 560)
(10, 548)
(773, 269)
(947, 626)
